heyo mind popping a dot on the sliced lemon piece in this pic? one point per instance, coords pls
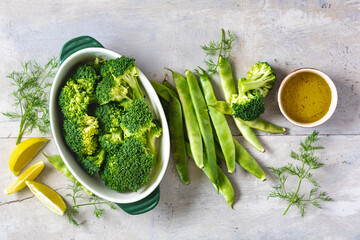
(48, 197)
(28, 175)
(24, 152)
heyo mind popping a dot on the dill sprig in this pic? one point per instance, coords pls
(93, 200)
(308, 162)
(31, 96)
(217, 48)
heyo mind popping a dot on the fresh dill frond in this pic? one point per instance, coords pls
(31, 96)
(217, 48)
(308, 162)
(93, 200)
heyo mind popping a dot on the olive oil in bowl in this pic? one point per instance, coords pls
(307, 97)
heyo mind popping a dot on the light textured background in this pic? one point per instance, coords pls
(288, 34)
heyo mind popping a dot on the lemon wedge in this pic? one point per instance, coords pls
(24, 152)
(48, 197)
(28, 175)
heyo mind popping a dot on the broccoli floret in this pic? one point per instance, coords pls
(247, 107)
(124, 72)
(73, 100)
(248, 104)
(109, 116)
(151, 137)
(112, 142)
(85, 75)
(137, 118)
(110, 90)
(98, 63)
(92, 164)
(129, 168)
(81, 134)
(261, 78)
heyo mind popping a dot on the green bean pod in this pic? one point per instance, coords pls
(59, 164)
(167, 84)
(220, 124)
(224, 186)
(177, 138)
(228, 86)
(161, 90)
(226, 78)
(246, 161)
(259, 124)
(203, 118)
(191, 122)
(264, 126)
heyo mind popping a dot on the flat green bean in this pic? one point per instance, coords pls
(59, 164)
(203, 118)
(228, 86)
(177, 138)
(224, 186)
(191, 122)
(259, 124)
(264, 126)
(220, 124)
(246, 161)
(168, 84)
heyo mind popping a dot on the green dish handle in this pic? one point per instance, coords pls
(143, 205)
(77, 44)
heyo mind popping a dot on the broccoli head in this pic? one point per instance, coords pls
(112, 142)
(92, 164)
(261, 78)
(109, 116)
(247, 107)
(137, 118)
(122, 70)
(73, 100)
(85, 75)
(248, 104)
(81, 134)
(129, 168)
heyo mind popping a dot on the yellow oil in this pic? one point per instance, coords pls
(306, 97)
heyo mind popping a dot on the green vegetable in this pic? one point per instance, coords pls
(247, 162)
(92, 164)
(191, 122)
(81, 134)
(203, 118)
(111, 142)
(31, 96)
(219, 122)
(248, 104)
(175, 119)
(308, 161)
(74, 101)
(225, 108)
(228, 86)
(224, 186)
(99, 121)
(137, 118)
(151, 136)
(109, 116)
(93, 200)
(120, 81)
(59, 164)
(129, 168)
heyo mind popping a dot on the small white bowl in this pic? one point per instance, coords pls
(334, 97)
(93, 183)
